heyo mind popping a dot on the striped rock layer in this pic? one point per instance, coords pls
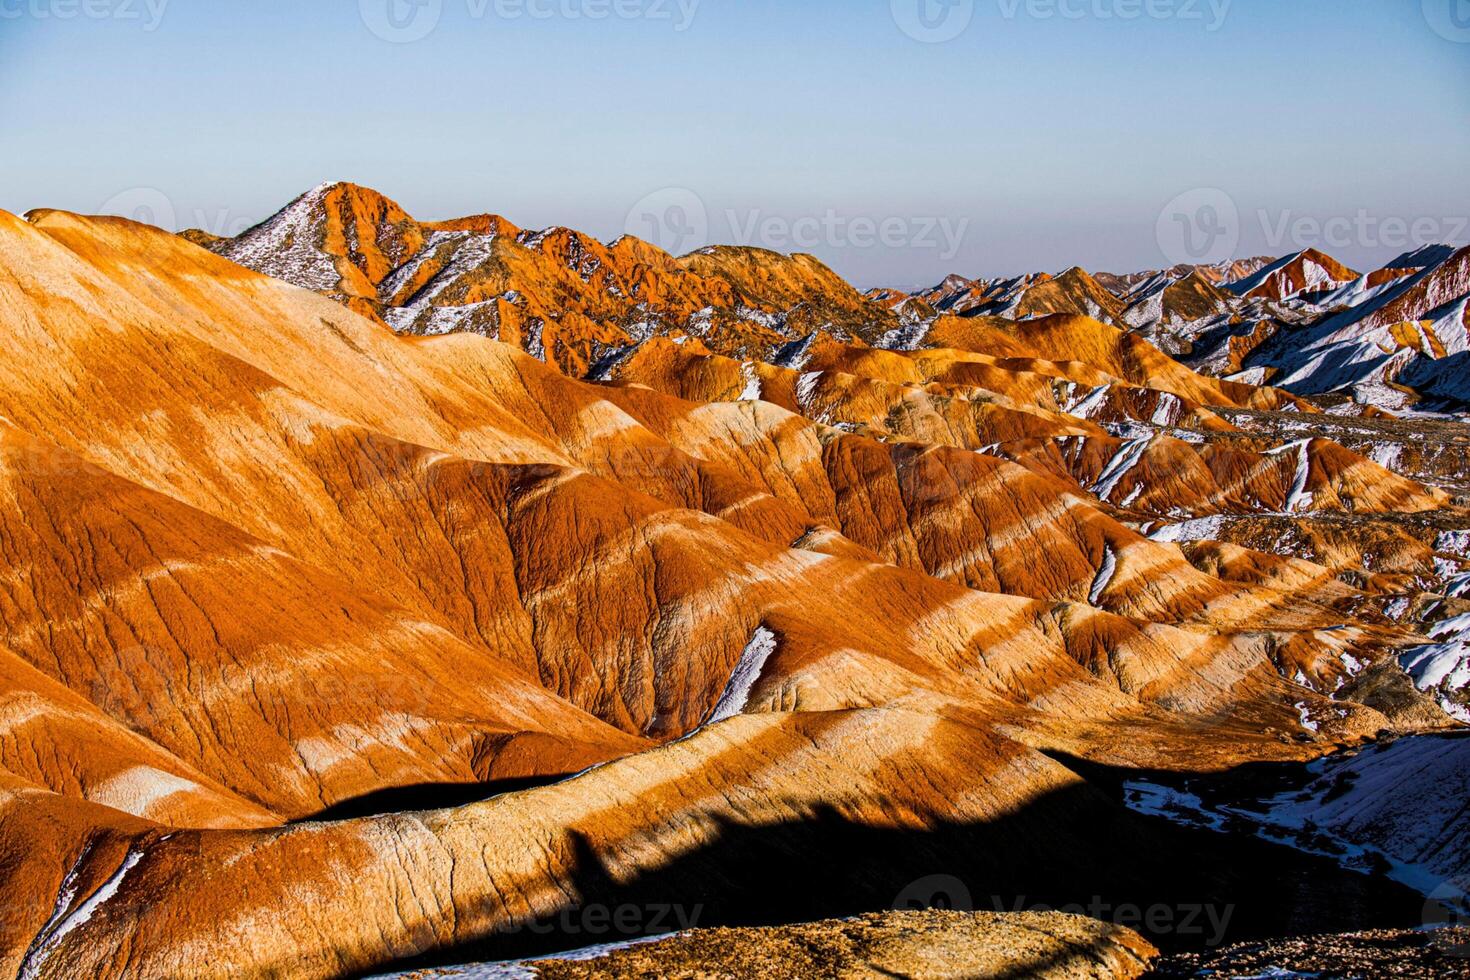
(326, 647)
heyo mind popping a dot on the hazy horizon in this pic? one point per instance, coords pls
(898, 143)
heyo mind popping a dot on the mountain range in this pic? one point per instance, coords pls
(1393, 338)
(376, 591)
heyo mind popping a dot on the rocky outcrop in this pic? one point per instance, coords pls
(559, 294)
(1414, 954)
(931, 945)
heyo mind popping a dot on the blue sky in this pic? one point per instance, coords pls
(1045, 133)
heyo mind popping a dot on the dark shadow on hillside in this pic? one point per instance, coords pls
(426, 796)
(1077, 850)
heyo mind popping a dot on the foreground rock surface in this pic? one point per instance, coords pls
(929, 945)
(1409, 953)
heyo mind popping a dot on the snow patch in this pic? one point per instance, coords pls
(1387, 455)
(535, 340)
(1104, 575)
(806, 387)
(1298, 499)
(1123, 460)
(907, 337)
(1454, 543)
(67, 920)
(795, 354)
(1172, 804)
(522, 969)
(1458, 586)
(1089, 404)
(1199, 529)
(1250, 376)
(742, 680)
(752, 392)
(1168, 410)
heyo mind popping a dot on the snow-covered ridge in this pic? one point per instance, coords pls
(1087, 406)
(1443, 667)
(289, 245)
(1127, 457)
